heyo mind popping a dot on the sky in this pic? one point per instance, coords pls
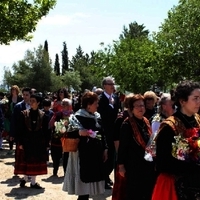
(87, 23)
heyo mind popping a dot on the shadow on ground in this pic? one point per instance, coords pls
(54, 179)
(23, 193)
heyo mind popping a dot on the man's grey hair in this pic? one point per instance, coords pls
(106, 79)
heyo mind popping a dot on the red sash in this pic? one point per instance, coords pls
(136, 133)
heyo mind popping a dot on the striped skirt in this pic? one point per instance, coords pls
(30, 168)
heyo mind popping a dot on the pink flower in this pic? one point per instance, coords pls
(92, 133)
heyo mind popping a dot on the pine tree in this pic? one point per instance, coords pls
(57, 66)
(65, 59)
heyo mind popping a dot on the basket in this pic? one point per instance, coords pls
(69, 144)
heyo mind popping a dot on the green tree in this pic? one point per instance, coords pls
(46, 48)
(41, 69)
(34, 71)
(19, 18)
(132, 64)
(134, 30)
(72, 79)
(57, 66)
(65, 59)
(178, 48)
(82, 63)
(131, 60)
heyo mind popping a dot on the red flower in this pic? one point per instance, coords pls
(192, 132)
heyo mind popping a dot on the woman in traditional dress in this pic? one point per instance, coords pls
(85, 170)
(33, 138)
(176, 176)
(134, 135)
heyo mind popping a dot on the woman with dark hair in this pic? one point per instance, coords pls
(61, 94)
(33, 138)
(134, 135)
(179, 172)
(85, 169)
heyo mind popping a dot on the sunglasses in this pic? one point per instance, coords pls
(61, 92)
(110, 84)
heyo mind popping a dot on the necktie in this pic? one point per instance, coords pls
(111, 100)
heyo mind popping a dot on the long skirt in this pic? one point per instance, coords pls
(119, 188)
(30, 168)
(72, 182)
(165, 188)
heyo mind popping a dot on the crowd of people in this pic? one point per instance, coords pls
(137, 135)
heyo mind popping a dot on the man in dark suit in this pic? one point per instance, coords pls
(108, 109)
(22, 105)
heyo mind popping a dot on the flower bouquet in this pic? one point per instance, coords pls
(60, 128)
(187, 148)
(150, 150)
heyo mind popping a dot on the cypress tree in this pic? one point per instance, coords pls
(46, 45)
(65, 59)
(57, 66)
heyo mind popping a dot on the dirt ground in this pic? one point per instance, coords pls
(9, 183)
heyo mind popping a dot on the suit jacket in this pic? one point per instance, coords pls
(108, 114)
(15, 118)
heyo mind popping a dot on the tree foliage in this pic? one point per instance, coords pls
(134, 30)
(46, 46)
(84, 64)
(65, 59)
(57, 66)
(34, 71)
(179, 51)
(130, 60)
(72, 79)
(18, 18)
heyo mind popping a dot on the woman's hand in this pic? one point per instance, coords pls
(83, 132)
(122, 170)
(105, 155)
(21, 147)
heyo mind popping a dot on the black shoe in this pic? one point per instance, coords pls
(36, 186)
(107, 186)
(22, 183)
